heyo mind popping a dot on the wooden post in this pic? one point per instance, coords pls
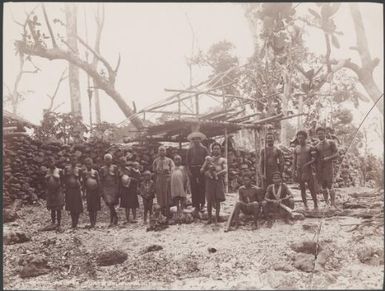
(144, 115)
(300, 107)
(179, 109)
(197, 104)
(257, 157)
(227, 157)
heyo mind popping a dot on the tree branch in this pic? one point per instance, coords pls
(102, 83)
(49, 25)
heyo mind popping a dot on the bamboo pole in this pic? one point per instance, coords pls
(227, 157)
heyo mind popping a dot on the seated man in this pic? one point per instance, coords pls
(250, 202)
(278, 200)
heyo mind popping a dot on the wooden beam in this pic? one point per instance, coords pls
(244, 118)
(170, 112)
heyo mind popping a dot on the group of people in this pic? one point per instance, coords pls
(202, 176)
(313, 167)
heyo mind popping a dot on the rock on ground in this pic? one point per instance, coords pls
(111, 258)
(11, 237)
(33, 266)
(307, 247)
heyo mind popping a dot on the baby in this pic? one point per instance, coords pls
(209, 165)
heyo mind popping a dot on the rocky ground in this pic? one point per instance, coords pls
(194, 256)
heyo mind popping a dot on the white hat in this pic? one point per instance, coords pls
(196, 134)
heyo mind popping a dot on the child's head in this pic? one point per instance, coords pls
(162, 151)
(51, 163)
(277, 178)
(301, 137)
(108, 159)
(136, 165)
(209, 159)
(147, 175)
(246, 180)
(177, 160)
(73, 160)
(88, 163)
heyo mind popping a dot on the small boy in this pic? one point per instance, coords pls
(147, 191)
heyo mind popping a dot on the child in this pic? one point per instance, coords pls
(157, 220)
(55, 197)
(162, 168)
(128, 192)
(147, 191)
(179, 184)
(210, 167)
(91, 188)
(73, 198)
(109, 180)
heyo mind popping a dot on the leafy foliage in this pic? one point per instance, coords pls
(65, 127)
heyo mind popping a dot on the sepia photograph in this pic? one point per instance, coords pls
(193, 146)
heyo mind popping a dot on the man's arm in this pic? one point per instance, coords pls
(281, 161)
(334, 151)
(289, 195)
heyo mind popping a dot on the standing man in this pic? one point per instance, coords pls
(271, 161)
(328, 151)
(195, 158)
(302, 166)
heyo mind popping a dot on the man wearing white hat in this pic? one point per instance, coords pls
(195, 158)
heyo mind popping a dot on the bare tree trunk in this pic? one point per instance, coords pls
(97, 106)
(365, 72)
(285, 104)
(73, 71)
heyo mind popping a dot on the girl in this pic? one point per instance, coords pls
(73, 197)
(179, 184)
(162, 167)
(109, 180)
(91, 188)
(128, 192)
(55, 197)
(147, 191)
(215, 189)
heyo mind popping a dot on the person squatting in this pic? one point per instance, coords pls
(202, 177)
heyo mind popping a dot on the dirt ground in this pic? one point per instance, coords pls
(244, 259)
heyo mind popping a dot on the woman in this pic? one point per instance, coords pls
(215, 188)
(109, 178)
(128, 192)
(55, 197)
(162, 168)
(73, 198)
(91, 186)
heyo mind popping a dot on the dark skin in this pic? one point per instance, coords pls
(216, 151)
(302, 143)
(322, 136)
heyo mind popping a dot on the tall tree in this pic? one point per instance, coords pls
(73, 70)
(33, 44)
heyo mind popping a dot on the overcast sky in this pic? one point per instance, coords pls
(154, 40)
